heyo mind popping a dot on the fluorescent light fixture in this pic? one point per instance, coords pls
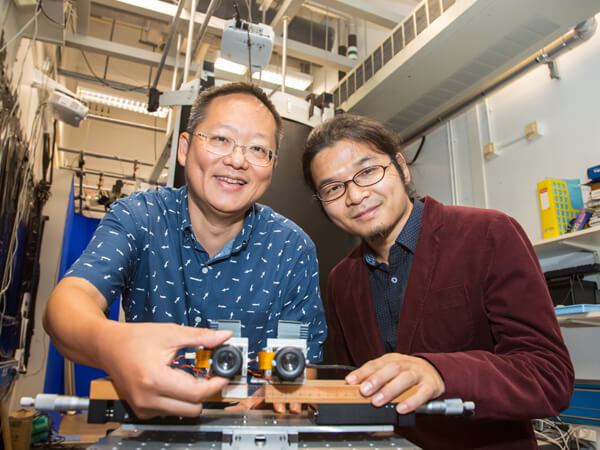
(230, 66)
(120, 102)
(293, 80)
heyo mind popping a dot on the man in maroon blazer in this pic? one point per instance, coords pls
(448, 298)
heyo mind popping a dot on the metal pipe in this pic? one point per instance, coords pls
(117, 176)
(214, 4)
(90, 78)
(581, 33)
(112, 34)
(163, 57)
(126, 123)
(174, 81)
(188, 51)
(102, 156)
(284, 54)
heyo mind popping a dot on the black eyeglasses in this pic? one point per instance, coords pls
(223, 145)
(366, 177)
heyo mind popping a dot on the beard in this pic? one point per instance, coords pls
(381, 232)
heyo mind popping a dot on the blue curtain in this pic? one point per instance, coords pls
(78, 233)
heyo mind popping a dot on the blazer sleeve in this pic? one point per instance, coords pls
(529, 373)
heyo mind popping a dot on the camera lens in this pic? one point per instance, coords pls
(289, 363)
(226, 361)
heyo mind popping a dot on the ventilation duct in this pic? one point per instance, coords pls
(446, 51)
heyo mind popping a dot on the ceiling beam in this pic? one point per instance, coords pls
(83, 16)
(164, 12)
(93, 79)
(289, 9)
(121, 51)
(370, 11)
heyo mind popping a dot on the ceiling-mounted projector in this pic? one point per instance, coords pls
(234, 43)
(66, 108)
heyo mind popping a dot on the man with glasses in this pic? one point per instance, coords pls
(184, 257)
(450, 299)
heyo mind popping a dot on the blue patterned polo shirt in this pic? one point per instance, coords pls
(145, 249)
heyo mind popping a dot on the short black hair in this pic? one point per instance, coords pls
(353, 128)
(204, 99)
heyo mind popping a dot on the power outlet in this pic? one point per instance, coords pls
(531, 130)
(489, 150)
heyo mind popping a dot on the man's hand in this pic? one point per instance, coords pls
(386, 377)
(138, 357)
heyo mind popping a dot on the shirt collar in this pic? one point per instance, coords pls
(242, 238)
(408, 237)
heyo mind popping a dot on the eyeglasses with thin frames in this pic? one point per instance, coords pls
(223, 145)
(365, 177)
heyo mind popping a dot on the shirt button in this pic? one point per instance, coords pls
(204, 270)
(394, 280)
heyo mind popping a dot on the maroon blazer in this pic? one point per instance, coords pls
(477, 307)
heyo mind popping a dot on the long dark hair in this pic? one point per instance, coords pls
(354, 128)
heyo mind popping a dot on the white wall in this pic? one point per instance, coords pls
(565, 109)
(452, 168)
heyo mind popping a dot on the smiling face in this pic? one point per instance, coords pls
(226, 186)
(372, 212)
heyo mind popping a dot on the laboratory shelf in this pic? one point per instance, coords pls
(578, 315)
(585, 240)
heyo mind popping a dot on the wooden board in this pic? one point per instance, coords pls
(322, 391)
(103, 389)
(313, 391)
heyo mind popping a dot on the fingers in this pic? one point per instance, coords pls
(180, 385)
(295, 408)
(249, 403)
(392, 378)
(357, 376)
(191, 337)
(146, 406)
(423, 395)
(281, 408)
(387, 377)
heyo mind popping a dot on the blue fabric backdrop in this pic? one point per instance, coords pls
(78, 233)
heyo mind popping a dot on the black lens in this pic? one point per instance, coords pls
(226, 361)
(289, 363)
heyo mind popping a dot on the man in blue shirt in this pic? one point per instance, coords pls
(184, 257)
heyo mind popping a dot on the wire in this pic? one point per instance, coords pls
(107, 82)
(50, 18)
(249, 6)
(22, 30)
(418, 151)
(330, 366)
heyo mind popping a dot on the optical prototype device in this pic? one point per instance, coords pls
(283, 360)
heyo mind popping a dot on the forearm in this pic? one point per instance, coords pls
(507, 386)
(74, 318)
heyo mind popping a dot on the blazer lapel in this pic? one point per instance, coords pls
(362, 327)
(421, 274)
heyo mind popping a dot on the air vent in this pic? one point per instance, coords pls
(398, 39)
(359, 76)
(447, 50)
(387, 50)
(377, 63)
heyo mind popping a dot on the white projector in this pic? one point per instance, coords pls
(67, 108)
(234, 43)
